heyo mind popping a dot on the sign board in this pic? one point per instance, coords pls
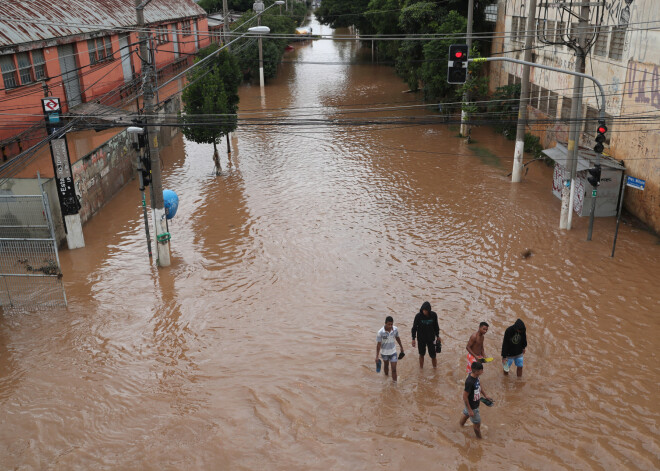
(63, 178)
(637, 183)
(50, 104)
(593, 193)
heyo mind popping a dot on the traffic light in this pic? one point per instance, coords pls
(594, 176)
(600, 137)
(458, 62)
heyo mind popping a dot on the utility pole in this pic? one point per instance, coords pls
(516, 174)
(157, 204)
(465, 129)
(225, 23)
(568, 190)
(258, 8)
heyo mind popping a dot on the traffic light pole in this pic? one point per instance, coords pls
(157, 204)
(465, 129)
(601, 112)
(576, 111)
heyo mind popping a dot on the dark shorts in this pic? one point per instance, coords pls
(422, 345)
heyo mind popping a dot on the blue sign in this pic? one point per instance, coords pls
(637, 183)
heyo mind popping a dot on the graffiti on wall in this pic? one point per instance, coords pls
(643, 84)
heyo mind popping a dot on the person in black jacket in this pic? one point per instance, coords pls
(513, 347)
(426, 329)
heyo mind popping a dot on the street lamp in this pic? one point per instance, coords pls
(258, 8)
(260, 30)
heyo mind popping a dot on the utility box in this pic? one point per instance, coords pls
(610, 181)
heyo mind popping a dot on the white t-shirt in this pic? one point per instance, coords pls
(387, 340)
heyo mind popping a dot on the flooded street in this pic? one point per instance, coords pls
(255, 349)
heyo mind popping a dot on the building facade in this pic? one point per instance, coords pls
(625, 58)
(82, 52)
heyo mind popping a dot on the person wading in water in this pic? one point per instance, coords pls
(426, 329)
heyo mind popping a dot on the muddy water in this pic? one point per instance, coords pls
(255, 349)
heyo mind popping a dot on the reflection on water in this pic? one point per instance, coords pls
(255, 348)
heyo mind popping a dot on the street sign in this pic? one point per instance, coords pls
(593, 193)
(637, 183)
(50, 104)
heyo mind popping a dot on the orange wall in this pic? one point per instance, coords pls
(24, 103)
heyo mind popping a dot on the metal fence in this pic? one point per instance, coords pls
(30, 275)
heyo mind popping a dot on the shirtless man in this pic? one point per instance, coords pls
(475, 346)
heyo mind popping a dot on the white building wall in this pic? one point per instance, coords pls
(631, 83)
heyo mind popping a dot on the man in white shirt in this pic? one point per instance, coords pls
(386, 346)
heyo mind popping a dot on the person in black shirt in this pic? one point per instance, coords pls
(513, 347)
(426, 329)
(472, 394)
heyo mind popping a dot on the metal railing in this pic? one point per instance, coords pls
(30, 275)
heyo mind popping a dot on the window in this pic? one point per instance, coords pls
(616, 42)
(186, 28)
(566, 108)
(534, 96)
(543, 101)
(9, 75)
(549, 32)
(23, 68)
(522, 25)
(591, 124)
(510, 79)
(162, 34)
(600, 48)
(514, 28)
(39, 64)
(561, 27)
(553, 101)
(100, 49)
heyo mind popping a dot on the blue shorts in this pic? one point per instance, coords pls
(391, 358)
(476, 419)
(518, 360)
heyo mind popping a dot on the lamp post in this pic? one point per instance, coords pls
(258, 8)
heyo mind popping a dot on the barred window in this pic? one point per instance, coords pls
(600, 48)
(100, 49)
(561, 27)
(553, 101)
(24, 68)
(186, 29)
(39, 64)
(616, 42)
(9, 75)
(534, 96)
(566, 108)
(549, 32)
(522, 25)
(162, 34)
(514, 28)
(543, 100)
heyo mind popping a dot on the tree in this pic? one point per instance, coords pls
(211, 99)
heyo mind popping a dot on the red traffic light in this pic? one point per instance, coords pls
(602, 129)
(458, 54)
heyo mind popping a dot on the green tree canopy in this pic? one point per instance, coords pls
(212, 90)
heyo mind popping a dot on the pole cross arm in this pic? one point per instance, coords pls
(601, 110)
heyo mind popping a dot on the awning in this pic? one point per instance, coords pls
(586, 158)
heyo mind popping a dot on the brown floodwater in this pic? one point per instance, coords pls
(255, 349)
